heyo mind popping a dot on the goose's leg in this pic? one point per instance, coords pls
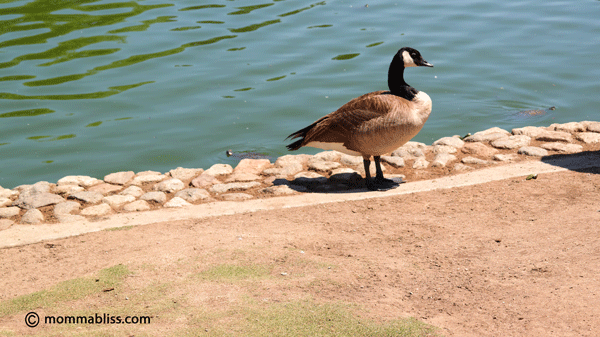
(370, 184)
(379, 179)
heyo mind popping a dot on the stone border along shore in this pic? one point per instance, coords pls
(76, 199)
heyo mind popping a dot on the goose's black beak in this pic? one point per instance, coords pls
(426, 64)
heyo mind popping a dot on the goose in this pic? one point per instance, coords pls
(373, 124)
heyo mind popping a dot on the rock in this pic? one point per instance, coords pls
(68, 189)
(32, 217)
(393, 161)
(571, 127)
(444, 149)
(285, 171)
(286, 160)
(193, 194)
(5, 224)
(118, 200)
(303, 178)
(323, 166)
(158, 197)
(28, 201)
(409, 152)
(344, 175)
(278, 190)
(86, 196)
(488, 135)
(6, 193)
(236, 196)
(461, 167)
(592, 126)
(441, 159)
(119, 178)
(219, 169)
(473, 160)
(105, 188)
(533, 151)
(242, 177)
(133, 191)
(185, 174)
(66, 207)
(413, 145)
(169, 186)
(562, 147)
(139, 205)
(97, 210)
(505, 157)
(5, 202)
(328, 156)
(529, 131)
(7, 212)
(511, 142)
(349, 160)
(83, 181)
(177, 202)
(360, 168)
(147, 177)
(478, 149)
(420, 163)
(39, 187)
(450, 141)
(253, 166)
(205, 180)
(70, 218)
(588, 137)
(222, 188)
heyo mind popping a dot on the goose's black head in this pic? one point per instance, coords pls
(412, 58)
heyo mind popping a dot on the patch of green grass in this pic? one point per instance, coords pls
(302, 318)
(66, 291)
(232, 272)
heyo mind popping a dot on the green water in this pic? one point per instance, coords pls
(94, 87)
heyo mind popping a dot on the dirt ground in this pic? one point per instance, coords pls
(508, 258)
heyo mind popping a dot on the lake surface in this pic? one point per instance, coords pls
(94, 87)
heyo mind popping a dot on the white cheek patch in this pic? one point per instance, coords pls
(408, 61)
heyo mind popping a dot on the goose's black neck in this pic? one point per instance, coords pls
(396, 81)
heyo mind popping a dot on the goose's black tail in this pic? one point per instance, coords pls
(300, 133)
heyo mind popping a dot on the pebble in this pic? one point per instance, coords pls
(278, 190)
(349, 160)
(462, 167)
(242, 177)
(87, 197)
(176, 202)
(97, 210)
(138, 205)
(185, 174)
(511, 142)
(568, 127)
(409, 152)
(327, 156)
(105, 188)
(68, 189)
(169, 186)
(32, 217)
(118, 200)
(219, 169)
(83, 181)
(252, 166)
(285, 171)
(533, 151)
(504, 157)
(288, 159)
(158, 197)
(119, 178)
(6, 193)
(444, 149)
